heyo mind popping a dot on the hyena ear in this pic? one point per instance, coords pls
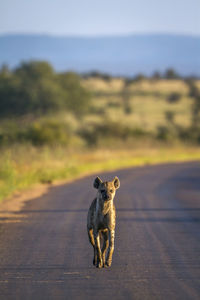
(116, 182)
(97, 182)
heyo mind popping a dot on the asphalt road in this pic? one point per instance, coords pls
(45, 253)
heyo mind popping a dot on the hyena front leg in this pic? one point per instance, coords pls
(99, 263)
(111, 236)
(105, 246)
(91, 239)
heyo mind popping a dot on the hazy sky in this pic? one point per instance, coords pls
(99, 17)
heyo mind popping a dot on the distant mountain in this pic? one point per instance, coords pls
(118, 55)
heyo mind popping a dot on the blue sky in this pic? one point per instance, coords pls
(99, 17)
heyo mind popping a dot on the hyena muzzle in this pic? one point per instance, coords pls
(101, 221)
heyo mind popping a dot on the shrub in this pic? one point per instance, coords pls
(174, 97)
(49, 132)
(163, 133)
(169, 116)
(109, 131)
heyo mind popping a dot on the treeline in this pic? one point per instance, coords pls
(33, 94)
(169, 74)
(34, 87)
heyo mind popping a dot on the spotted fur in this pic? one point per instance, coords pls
(101, 221)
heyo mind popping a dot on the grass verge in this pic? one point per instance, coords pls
(24, 167)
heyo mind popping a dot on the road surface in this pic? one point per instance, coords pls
(45, 253)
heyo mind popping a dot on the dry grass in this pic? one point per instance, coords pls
(26, 166)
(23, 166)
(100, 85)
(162, 86)
(116, 85)
(147, 112)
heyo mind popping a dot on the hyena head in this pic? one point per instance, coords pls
(107, 189)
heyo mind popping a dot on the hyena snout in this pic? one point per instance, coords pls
(107, 196)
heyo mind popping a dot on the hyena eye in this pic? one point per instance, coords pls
(111, 191)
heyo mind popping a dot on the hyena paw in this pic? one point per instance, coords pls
(104, 262)
(108, 262)
(99, 264)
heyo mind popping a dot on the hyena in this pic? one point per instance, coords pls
(101, 221)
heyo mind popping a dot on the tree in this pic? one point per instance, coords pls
(195, 94)
(156, 75)
(139, 77)
(171, 74)
(35, 88)
(38, 87)
(76, 97)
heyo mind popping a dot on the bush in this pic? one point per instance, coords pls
(169, 116)
(163, 133)
(174, 97)
(49, 132)
(10, 133)
(109, 131)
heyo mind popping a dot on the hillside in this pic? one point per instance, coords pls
(118, 55)
(57, 126)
